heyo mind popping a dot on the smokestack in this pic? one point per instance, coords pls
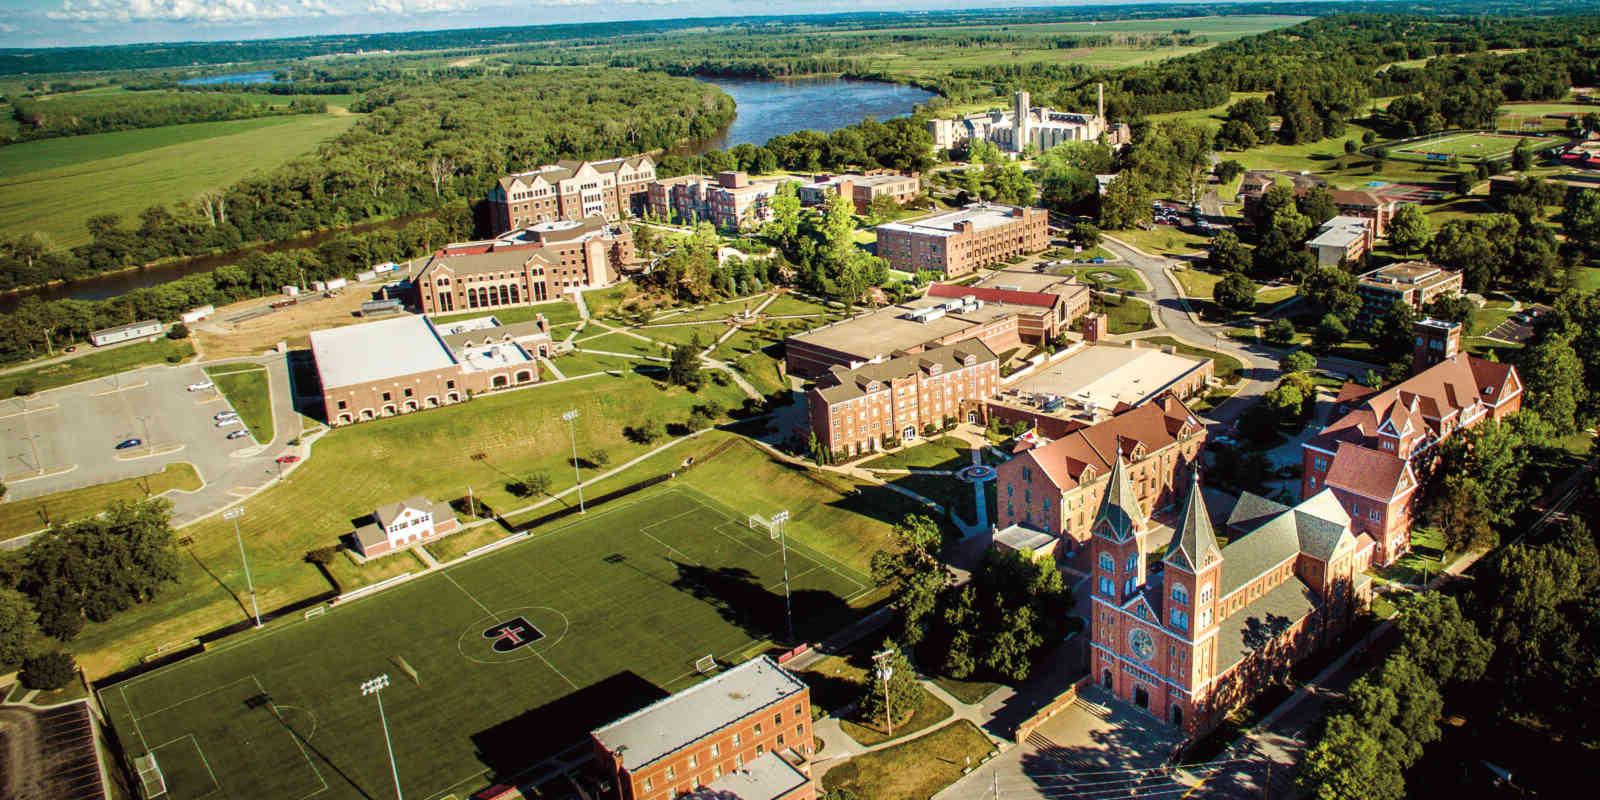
(1100, 106)
(1020, 127)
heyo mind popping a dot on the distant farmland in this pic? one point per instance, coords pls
(53, 186)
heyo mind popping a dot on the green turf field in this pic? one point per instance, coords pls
(43, 184)
(1466, 146)
(637, 591)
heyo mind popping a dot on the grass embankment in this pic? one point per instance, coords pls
(1200, 285)
(914, 770)
(1118, 277)
(944, 452)
(43, 184)
(558, 312)
(18, 517)
(1127, 315)
(94, 365)
(247, 390)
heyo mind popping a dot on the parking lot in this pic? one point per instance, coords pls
(67, 438)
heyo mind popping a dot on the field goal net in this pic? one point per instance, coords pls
(151, 780)
(772, 525)
(705, 665)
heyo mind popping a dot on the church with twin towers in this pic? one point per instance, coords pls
(1186, 628)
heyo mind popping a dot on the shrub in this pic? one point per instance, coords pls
(178, 331)
(48, 671)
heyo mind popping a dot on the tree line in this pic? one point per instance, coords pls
(76, 115)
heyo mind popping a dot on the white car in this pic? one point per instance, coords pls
(200, 387)
(225, 423)
(238, 434)
(225, 415)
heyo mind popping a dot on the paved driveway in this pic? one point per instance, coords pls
(70, 434)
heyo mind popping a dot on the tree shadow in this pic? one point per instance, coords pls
(740, 599)
(264, 701)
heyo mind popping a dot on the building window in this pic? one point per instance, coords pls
(343, 405)
(797, 709)
(1107, 563)
(649, 784)
(1180, 594)
(1105, 587)
(736, 740)
(777, 719)
(1133, 561)
(385, 397)
(671, 772)
(758, 729)
(800, 731)
(716, 750)
(1180, 620)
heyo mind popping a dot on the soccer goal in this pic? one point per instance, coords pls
(705, 665)
(151, 780)
(316, 611)
(772, 525)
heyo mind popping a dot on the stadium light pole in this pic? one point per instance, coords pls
(375, 688)
(234, 514)
(781, 519)
(572, 434)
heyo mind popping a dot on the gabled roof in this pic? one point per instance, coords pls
(1317, 527)
(995, 295)
(1083, 455)
(1194, 543)
(1322, 525)
(1446, 389)
(848, 384)
(1259, 623)
(387, 514)
(1378, 474)
(1252, 510)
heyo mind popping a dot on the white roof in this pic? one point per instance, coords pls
(1340, 231)
(1104, 375)
(684, 718)
(981, 215)
(377, 351)
(764, 778)
(1017, 537)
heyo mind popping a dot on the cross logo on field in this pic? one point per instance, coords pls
(512, 634)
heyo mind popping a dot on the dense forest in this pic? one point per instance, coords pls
(73, 115)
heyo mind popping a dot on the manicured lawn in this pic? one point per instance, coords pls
(788, 305)
(25, 516)
(95, 365)
(930, 711)
(483, 444)
(247, 391)
(1226, 367)
(558, 312)
(1128, 315)
(945, 452)
(1588, 279)
(761, 370)
(1197, 283)
(44, 183)
(581, 363)
(1487, 319)
(969, 692)
(617, 343)
(1422, 563)
(1164, 239)
(709, 313)
(624, 601)
(914, 770)
(685, 334)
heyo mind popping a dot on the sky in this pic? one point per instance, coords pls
(56, 23)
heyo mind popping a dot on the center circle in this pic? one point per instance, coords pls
(474, 646)
(976, 473)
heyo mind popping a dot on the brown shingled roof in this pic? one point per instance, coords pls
(1368, 472)
(1155, 425)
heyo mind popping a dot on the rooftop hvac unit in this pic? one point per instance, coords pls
(931, 314)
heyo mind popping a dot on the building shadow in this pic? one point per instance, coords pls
(557, 732)
(305, 387)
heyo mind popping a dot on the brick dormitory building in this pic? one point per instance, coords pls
(571, 190)
(855, 411)
(745, 733)
(958, 242)
(533, 264)
(1379, 448)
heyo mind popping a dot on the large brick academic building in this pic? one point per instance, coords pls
(958, 242)
(530, 265)
(1371, 455)
(854, 411)
(1215, 624)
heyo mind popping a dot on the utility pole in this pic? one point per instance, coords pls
(472, 504)
(781, 520)
(375, 688)
(885, 672)
(572, 434)
(49, 348)
(234, 514)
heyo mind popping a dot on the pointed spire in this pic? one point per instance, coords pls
(1194, 543)
(1120, 508)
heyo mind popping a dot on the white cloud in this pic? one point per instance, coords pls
(188, 10)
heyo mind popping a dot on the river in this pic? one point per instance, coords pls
(768, 108)
(765, 109)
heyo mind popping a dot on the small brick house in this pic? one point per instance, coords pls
(396, 526)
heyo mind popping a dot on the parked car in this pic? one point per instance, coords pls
(200, 387)
(225, 423)
(288, 459)
(238, 434)
(225, 415)
(1097, 260)
(72, 348)
(129, 443)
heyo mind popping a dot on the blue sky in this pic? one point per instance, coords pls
(54, 23)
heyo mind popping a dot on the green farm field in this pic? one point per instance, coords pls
(624, 601)
(42, 184)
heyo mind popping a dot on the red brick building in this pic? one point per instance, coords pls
(572, 191)
(958, 242)
(745, 733)
(1057, 487)
(531, 265)
(854, 411)
(1208, 630)
(1371, 455)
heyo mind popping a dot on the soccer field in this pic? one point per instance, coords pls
(1466, 146)
(612, 611)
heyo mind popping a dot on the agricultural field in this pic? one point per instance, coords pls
(43, 183)
(614, 609)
